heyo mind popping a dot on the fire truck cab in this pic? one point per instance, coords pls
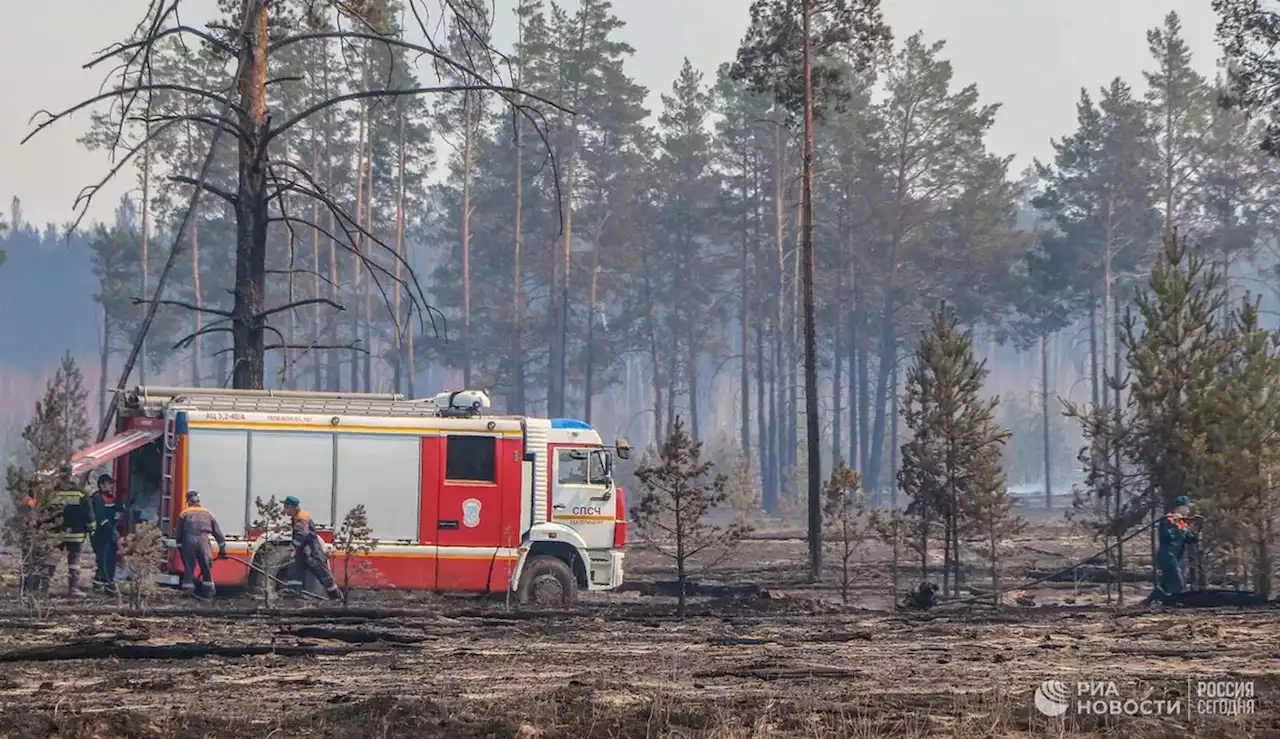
(457, 499)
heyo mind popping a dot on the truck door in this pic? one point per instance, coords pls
(470, 516)
(582, 494)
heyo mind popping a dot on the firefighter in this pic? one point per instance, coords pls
(308, 551)
(106, 536)
(73, 530)
(195, 525)
(1175, 533)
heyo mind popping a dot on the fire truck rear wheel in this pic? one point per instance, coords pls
(547, 581)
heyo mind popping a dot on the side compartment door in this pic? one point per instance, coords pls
(469, 515)
(581, 496)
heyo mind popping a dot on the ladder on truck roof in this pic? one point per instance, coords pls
(286, 401)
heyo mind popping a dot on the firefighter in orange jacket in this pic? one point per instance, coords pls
(308, 551)
(195, 525)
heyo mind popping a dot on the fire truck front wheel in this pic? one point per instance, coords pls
(547, 581)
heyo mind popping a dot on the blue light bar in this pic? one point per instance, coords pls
(570, 423)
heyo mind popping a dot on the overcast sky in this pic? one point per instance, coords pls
(1033, 56)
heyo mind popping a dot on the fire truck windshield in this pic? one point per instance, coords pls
(585, 467)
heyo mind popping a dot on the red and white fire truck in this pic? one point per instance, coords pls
(457, 499)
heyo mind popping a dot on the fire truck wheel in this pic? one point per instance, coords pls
(547, 581)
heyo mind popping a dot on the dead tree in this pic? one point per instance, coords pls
(266, 176)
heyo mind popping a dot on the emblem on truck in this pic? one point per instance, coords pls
(471, 513)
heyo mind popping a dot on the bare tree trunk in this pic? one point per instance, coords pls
(1044, 413)
(864, 395)
(518, 402)
(587, 380)
(104, 359)
(895, 450)
(691, 378)
(813, 428)
(1116, 480)
(248, 341)
(837, 380)
(357, 271)
(794, 342)
(744, 317)
(317, 365)
(400, 322)
(366, 284)
(291, 335)
(145, 247)
(468, 138)
(776, 417)
(198, 298)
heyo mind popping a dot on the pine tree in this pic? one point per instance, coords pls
(844, 511)
(1178, 105)
(1249, 32)
(952, 457)
(940, 179)
(687, 193)
(58, 429)
(1174, 355)
(680, 490)
(990, 508)
(1241, 499)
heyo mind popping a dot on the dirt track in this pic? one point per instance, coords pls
(621, 666)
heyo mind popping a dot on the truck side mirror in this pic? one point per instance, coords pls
(624, 448)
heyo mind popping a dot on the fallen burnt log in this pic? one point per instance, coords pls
(771, 673)
(353, 636)
(671, 589)
(103, 649)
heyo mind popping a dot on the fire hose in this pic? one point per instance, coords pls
(275, 579)
(1051, 575)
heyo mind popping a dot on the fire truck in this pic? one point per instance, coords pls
(458, 499)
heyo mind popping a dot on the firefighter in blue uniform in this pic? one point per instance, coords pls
(308, 551)
(1175, 534)
(106, 537)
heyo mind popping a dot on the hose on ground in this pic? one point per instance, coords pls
(273, 578)
(1051, 575)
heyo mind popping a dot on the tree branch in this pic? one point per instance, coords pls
(208, 119)
(405, 92)
(353, 346)
(121, 92)
(186, 305)
(85, 197)
(232, 199)
(119, 48)
(300, 270)
(298, 304)
(218, 326)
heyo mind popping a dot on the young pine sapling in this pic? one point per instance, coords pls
(145, 551)
(679, 490)
(890, 528)
(355, 540)
(844, 512)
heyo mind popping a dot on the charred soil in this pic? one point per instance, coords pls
(782, 659)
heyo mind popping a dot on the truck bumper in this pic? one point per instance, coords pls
(605, 572)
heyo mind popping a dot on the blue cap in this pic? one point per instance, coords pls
(1181, 500)
(292, 501)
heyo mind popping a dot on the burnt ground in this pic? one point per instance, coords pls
(781, 660)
